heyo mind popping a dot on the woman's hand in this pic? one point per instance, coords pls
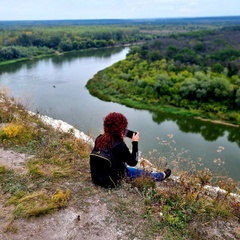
(135, 137)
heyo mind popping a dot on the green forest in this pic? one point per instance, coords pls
(189, 66)
(28, 39)
(196, 72)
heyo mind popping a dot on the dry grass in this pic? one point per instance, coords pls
(58, 176)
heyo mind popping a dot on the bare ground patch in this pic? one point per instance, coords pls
(92, 217)
(96, 216)
(13, 160)
(69, 224)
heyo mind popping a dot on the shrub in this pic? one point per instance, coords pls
(61, 198)
(34, 204)
(204, 176)
(2, 134)
(13, 130)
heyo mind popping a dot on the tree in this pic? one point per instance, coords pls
(188, 88)
(217, 67)
(111, 42)
(154, 55)
(8, 53)
(65, 45)
(220, 89)
(24, 40)
(54, 42)
(38, 41)
(186, 55)
(100, 43)
(163, 84)
(238, 97)
(171, 51)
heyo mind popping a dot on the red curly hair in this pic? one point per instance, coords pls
(114, 125)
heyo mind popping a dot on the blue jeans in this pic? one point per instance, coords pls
(136, 172)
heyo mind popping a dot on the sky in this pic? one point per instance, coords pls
(115, 9)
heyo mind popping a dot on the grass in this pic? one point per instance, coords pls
(12, 61)
(58, 177)
(2, 63)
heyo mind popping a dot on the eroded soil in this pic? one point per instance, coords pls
(93, 219)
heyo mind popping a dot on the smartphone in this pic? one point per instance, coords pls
(129, 133)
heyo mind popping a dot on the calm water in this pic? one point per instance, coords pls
(56, 87)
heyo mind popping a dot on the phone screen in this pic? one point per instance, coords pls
(129, 133)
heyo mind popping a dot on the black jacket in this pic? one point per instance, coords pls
(121, 157)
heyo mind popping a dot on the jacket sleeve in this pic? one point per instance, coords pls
(134, 154)
(122, 153)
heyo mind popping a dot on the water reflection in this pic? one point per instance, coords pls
(61, 59)
(209, 131)
(234, 136)
(71, 102)
(73, 56)
(11, 68)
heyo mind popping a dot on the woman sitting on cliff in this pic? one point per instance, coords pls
(122, 160)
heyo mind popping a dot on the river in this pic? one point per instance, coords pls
(55, 87)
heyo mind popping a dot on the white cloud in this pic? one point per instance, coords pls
(93, 9)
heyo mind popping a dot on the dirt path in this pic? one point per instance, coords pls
(68, 224)
(65, 224)
(13, 160)
(93, 222)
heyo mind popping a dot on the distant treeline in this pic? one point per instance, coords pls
(19, 43)
(138, 21)
(217, 49)
(198, 71)
(26, 39)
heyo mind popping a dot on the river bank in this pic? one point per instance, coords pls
(156, 107)
(217, 122)
(41, 86)
(73, 222)
(51, 159)
(57, 53)
(60, 125)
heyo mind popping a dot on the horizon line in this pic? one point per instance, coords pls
(104, 19)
